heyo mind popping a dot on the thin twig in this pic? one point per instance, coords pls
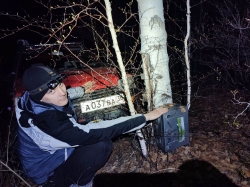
(14, 173)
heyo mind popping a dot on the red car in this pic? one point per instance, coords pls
(107, 101)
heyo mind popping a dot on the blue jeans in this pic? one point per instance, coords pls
(82, 165)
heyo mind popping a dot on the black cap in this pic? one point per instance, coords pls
(35, 80)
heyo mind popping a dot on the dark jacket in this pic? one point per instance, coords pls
(48, 134)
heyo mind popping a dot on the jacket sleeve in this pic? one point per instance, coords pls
(66, 129)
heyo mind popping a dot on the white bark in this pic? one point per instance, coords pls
(154, 43)
(123, 72)
(187, 54)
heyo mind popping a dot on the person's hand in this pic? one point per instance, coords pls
(154, 114)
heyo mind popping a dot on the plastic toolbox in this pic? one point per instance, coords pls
(172, 129)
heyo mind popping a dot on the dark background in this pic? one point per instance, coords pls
(209, 40)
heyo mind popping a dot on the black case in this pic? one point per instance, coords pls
(172, 129)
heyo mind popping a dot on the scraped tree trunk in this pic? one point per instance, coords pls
(123, 72)
(154, 53)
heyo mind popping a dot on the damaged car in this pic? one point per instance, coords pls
(81, 69)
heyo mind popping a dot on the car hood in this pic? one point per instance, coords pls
(98, 77)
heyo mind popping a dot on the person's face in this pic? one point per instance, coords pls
(57, 96)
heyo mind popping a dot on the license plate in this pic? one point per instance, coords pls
(106, 102)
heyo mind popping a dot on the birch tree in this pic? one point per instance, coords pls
(187, 56)
(123, 72)
(154, 53)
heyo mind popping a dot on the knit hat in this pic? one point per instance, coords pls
(36, 80)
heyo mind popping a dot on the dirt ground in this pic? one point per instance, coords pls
(218, 154)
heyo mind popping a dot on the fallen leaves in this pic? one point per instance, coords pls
(154, 157)
(245, 172)
(164, 158)
(244, 182)
(211, 140)
(234, 158)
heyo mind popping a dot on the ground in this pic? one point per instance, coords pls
(218, 154)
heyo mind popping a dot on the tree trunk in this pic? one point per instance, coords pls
(154, 45)
(123, 72)
(187, 55)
